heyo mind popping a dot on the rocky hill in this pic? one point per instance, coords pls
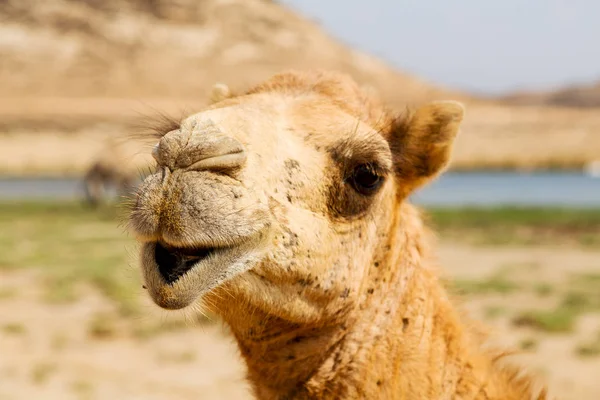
(171, 48)
(574, 96)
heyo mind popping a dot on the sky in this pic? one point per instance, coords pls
(482, 46)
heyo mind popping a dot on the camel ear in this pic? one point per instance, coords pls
(421, 143)
(219, 92)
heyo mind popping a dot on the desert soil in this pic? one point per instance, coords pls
(52, 351)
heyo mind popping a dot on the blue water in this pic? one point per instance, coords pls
(452, 189)
(511, 188)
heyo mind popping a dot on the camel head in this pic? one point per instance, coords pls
(281, 196)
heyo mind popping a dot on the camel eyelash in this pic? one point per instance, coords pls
(372, 166)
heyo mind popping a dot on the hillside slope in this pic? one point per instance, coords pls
(171, 48)
(574, 96)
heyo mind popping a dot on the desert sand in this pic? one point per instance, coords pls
(54, 351)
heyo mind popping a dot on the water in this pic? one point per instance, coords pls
(40, 188)
(511, 188)
(451, 190)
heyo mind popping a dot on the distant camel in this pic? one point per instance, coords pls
(107, 172)
(285, 211)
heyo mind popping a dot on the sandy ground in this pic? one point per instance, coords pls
(568, 375)
(54, 355)
(50, 352)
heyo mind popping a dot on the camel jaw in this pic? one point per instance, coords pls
(177, 277)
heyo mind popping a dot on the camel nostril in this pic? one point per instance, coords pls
(174, 262)
(200, 146)
(220, 163)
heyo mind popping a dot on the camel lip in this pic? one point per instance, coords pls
(177, 276)
(169, 269)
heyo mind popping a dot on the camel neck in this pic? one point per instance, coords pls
(283, 357)
(360, 352)
(363, 356)
(401, 339)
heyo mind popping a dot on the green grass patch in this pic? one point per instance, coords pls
(71, 245)
(528, 344)
(498, 283)
(583, 293)
(576, 301)
(7, 293)
(589, 280)
(518, 225)
(84, 389)
(589, 349)
(14, 329)
(559, 320)
(543, 289)
(493, 312)
(41, 372)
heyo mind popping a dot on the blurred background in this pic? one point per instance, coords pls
(517, 215)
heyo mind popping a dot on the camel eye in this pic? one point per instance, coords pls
(365, 180)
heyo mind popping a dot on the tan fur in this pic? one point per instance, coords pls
(326, 281)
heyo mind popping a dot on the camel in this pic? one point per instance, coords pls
(103, 174)
(284, 210)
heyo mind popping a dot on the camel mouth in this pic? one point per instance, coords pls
(174, 262)
(177, 276)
